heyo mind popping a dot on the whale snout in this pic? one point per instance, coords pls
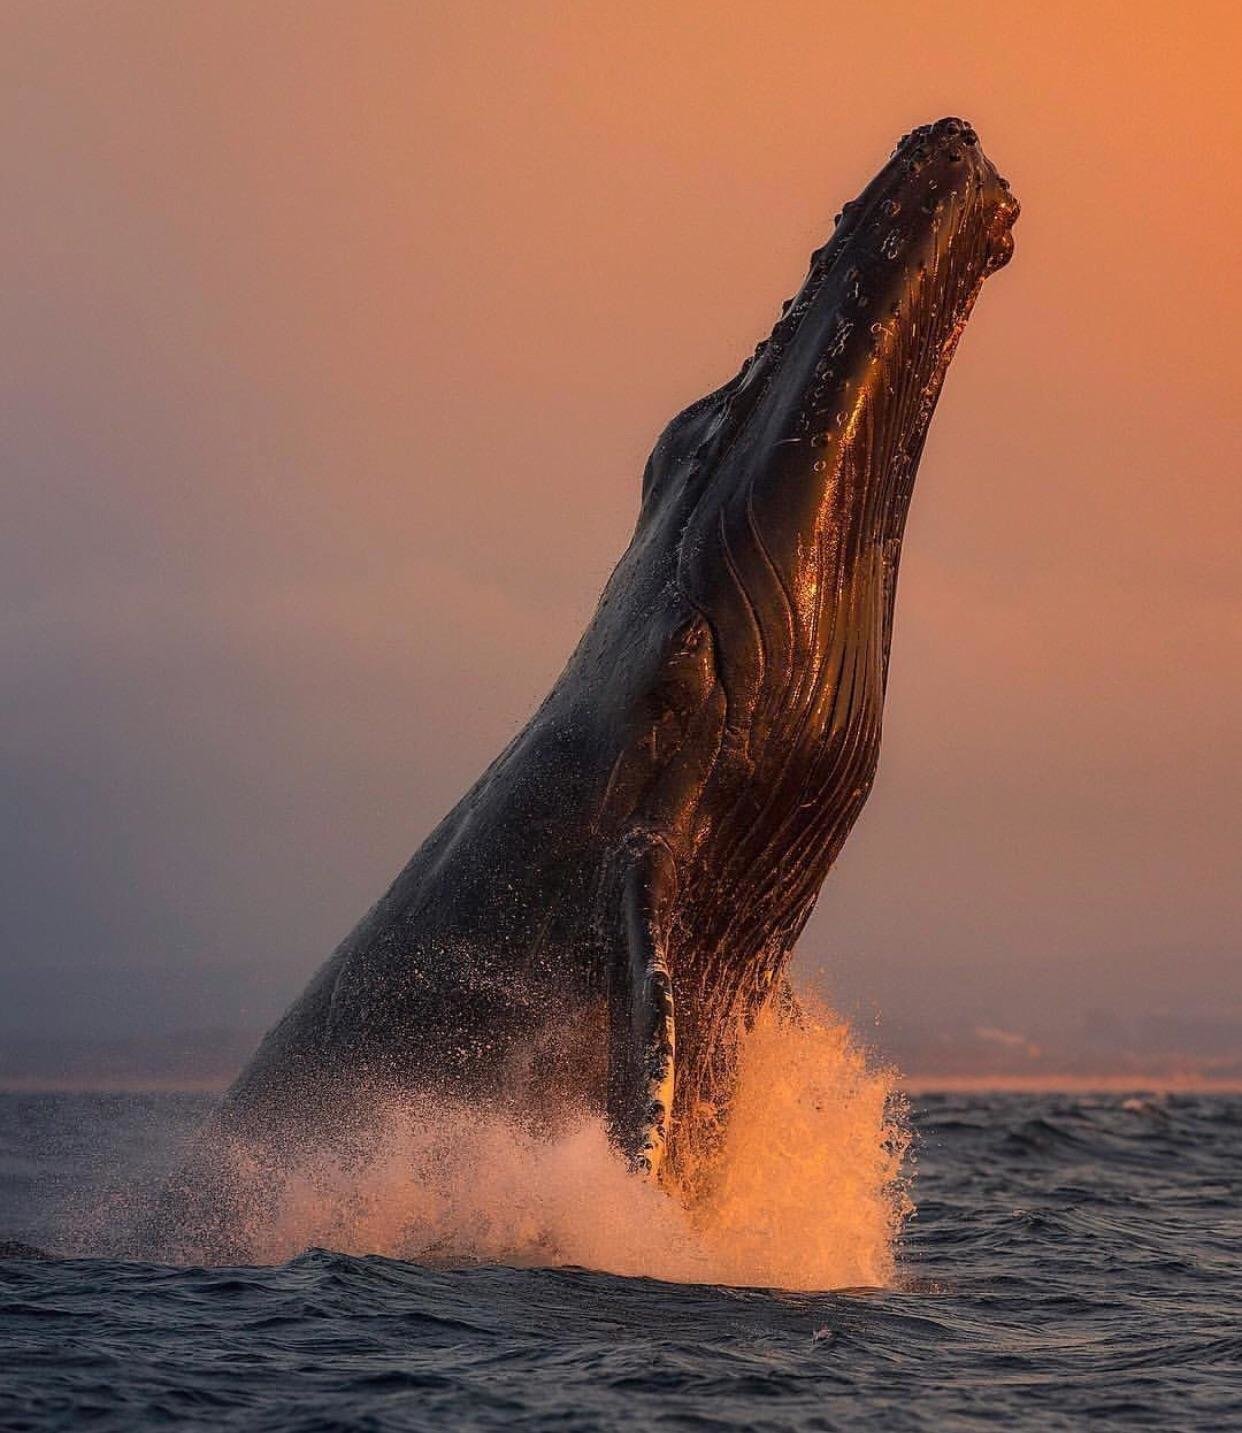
(946, 156)
(814, 449)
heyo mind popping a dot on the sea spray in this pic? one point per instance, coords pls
(808, 1191)
(812, 1189)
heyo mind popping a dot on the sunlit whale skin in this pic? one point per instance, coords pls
(617, 897)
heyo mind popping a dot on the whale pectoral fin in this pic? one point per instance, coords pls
(642, 1038)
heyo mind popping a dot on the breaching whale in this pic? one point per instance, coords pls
(602, 916)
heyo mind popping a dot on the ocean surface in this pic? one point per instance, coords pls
(1071, 1260)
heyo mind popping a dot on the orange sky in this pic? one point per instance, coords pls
(334, 338)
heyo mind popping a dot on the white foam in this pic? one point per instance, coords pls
(808, 1193)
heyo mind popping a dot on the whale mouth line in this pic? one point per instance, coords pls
(787, 497)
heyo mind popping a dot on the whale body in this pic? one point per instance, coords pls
(604, 914)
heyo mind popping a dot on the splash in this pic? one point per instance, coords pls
(812, 1190)
(809, 1192)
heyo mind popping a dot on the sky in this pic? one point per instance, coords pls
(333, 338)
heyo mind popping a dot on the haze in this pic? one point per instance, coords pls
(334, 338)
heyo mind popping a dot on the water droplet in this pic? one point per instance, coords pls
(837, 344)
(893, 241)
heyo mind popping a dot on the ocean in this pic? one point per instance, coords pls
(1069, 1260)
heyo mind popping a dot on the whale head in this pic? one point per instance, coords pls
(749, 624)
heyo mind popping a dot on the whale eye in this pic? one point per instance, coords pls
(686, 673)
(689, 639)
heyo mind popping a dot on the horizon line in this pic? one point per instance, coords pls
(1117, 1082)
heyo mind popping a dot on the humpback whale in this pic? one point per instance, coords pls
(602, 917)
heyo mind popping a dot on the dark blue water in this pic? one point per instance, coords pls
(1073, 1259)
